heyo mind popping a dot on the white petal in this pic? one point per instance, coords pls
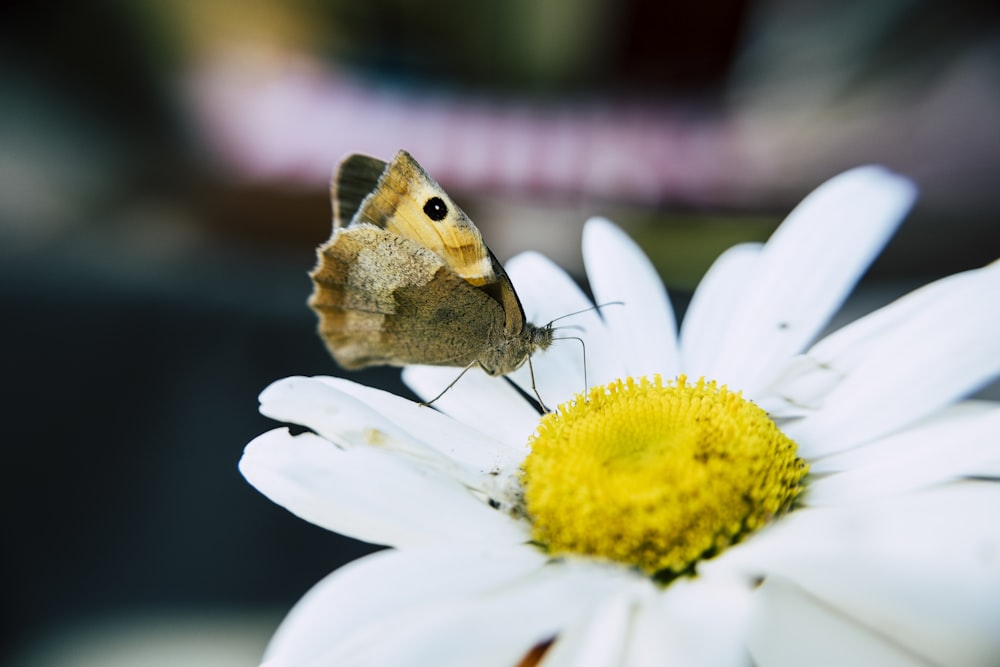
(496, 626)
(943, 449)
(900, 608)
(692, 622)
(953, 524)
(388, 583)
(918, 572)
(351, 420)
(807, 268)
(793, 628)
(846, 346)
(706, 620)
(807, 379)
(370, 494)
(643, 329)
(805, 382)
(337, 416)
(489, 405)
(946, 350)
(988, 469)
(457, 441)
(652, 639)
(799, 389)
(713, 305)
(601, 638)
(548, 293)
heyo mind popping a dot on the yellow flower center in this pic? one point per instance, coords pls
(657, 477)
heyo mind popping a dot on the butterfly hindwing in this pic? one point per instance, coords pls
(382, 299)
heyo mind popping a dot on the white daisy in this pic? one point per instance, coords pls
(669, 522)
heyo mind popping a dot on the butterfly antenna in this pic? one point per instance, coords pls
(427, 404)
(587, 310)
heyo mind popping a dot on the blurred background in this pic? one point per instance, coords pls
(163, 186)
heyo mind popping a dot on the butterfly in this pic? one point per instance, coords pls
(406, 278)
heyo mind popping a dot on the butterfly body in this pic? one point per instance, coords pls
(407, 279)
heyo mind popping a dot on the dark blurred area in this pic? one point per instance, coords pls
(163, 168)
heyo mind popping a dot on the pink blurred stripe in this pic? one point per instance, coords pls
(294, 126)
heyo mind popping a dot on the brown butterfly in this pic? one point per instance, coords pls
(407, 279)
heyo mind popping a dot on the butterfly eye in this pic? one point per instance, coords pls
(436, 209)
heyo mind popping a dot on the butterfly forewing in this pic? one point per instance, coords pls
(406, 201)
(355, 179)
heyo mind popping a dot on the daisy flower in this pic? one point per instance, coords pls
(733, 492)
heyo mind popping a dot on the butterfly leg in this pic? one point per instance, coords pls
(451, 384)
(534, 388)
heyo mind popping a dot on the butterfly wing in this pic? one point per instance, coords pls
(356, 177)
(401, 198)
(384, 299)
(393, 196)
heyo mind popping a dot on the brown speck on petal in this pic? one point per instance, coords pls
(534, 656)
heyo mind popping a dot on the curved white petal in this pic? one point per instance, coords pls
(713, 305)
(493, 626)
(370, 494)
(795, 628)
(489, 405)
(600, 638)
(804, 383)
(807, 268)
(643, 328)
(918, 572)
(336, 416)
(953, 523)
(382, 585)
(945, 350)
(692, 622)
(547, 293)
(988, 469)
(690, 606)
(458, 442)
(888, 609)
(495, 629)
(940, 450)
(346, 414)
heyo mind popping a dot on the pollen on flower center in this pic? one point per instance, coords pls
(657, 477)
